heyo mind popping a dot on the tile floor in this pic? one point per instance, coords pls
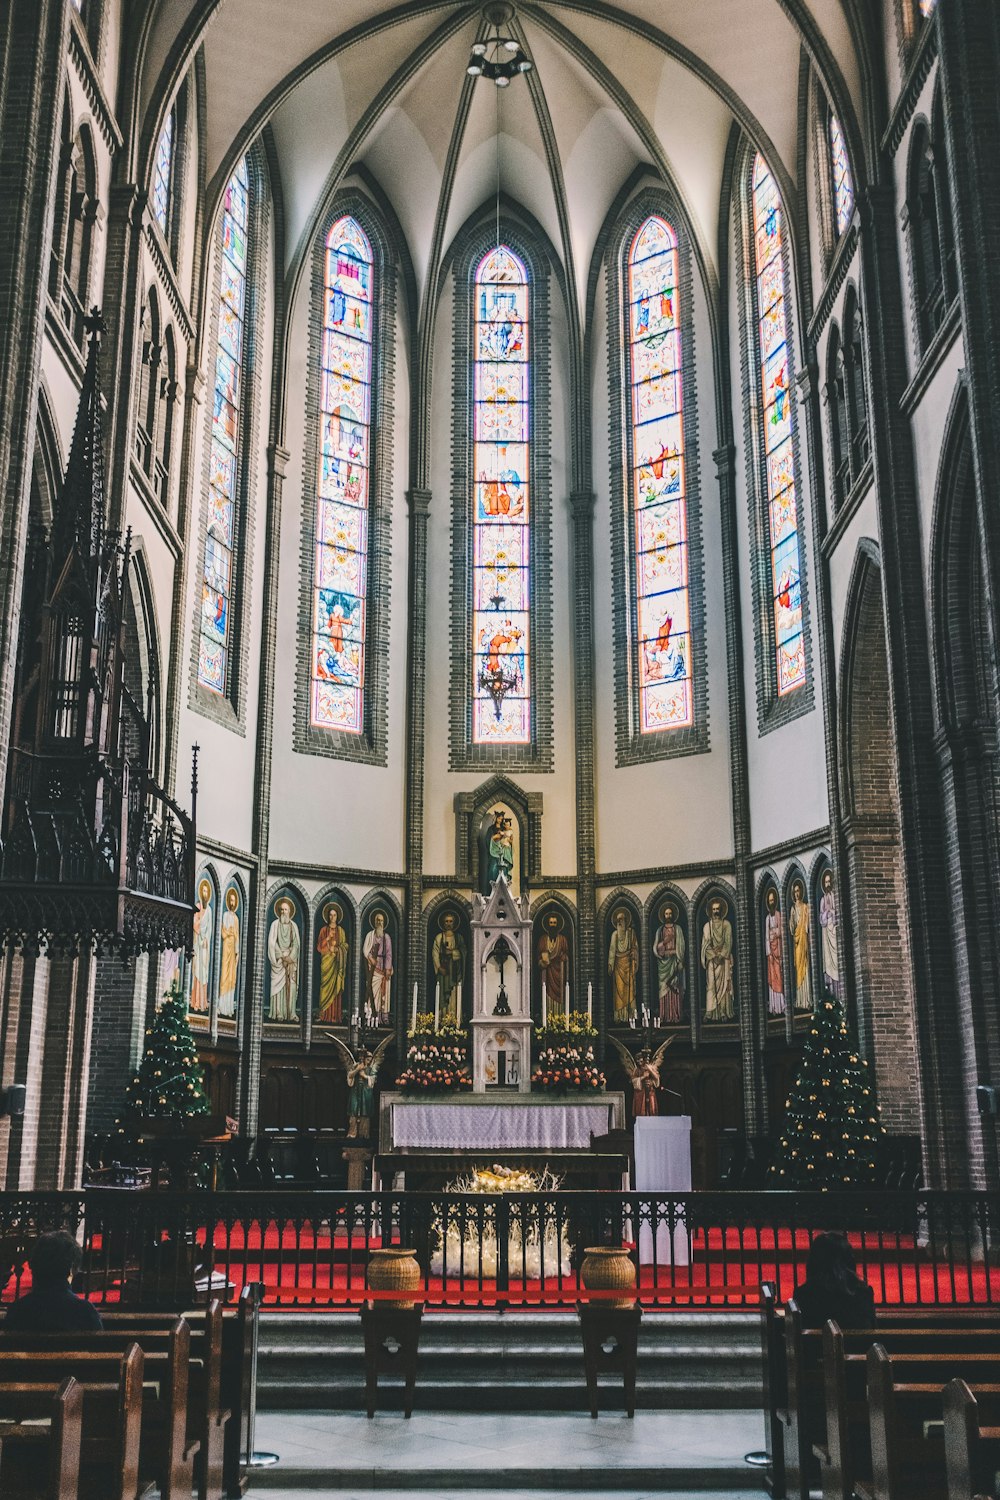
(528, 1456)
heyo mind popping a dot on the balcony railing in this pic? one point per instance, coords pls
(311, 1249)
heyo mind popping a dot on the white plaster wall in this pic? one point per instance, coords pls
(440, 784)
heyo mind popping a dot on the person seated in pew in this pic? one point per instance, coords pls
(52, 1306)
(833, 1288)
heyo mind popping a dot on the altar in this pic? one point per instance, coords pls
(483, 1123)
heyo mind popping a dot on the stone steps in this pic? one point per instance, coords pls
(512, 1361)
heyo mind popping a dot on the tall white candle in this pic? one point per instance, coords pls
(458, 1004)
(566, 999)
(437, 1005)
(590, 1002)
(545, 1008)
(414, 1027)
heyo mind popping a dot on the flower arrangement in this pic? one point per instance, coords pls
(565, 1069)
(559, 1024)
(437, 1062)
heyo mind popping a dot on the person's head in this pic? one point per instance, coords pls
(54, 1257)
(284, 912)
(668, 914)
(378, 921)
(621, 918)
(715, 910)
(448, 923)
(552, 922)
(798, 893)
(828, 880)
(772, 899)
(831, 1259)
(232, 899)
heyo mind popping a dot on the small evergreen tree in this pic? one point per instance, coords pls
(832, 1129)
(170, 1083)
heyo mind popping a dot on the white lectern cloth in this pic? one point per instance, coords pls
(440, 1125)
(663, 1165)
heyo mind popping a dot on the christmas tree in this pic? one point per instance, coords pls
(831, 1131)
(169, 1084)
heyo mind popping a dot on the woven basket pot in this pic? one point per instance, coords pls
(394, 1270)
(609, 1269)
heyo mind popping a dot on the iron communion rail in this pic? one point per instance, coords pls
(311, 1249)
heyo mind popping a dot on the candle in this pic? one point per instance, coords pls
(566, 999)
(414, 1027)
(590, 1003)
(545, 1008)
(458, 1004)
(437, 1005)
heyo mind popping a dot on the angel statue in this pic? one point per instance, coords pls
(362, 1072)
(644, 1075)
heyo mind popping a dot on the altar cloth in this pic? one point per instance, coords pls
(498, 1124)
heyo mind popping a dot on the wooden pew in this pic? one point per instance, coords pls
(775, 1392)
(907, 1450)
(206, 1417)
(112, 1423)
(810, 1438)
(43, 1463)
(971, 1452)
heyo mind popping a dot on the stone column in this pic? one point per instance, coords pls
(419, 501)
(926, 964)
(581, 504)
(33, 41)
(122, 314)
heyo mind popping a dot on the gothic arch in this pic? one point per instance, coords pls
(469, 806)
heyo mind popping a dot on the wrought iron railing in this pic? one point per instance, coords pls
(311, 1249)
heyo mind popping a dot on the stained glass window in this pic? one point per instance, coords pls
(658, 494)
(341, 569)
(224, 455)
(501, 605)
(776, 410)
(843, 185)
(161, 172)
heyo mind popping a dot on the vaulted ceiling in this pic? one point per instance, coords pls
(614, 86)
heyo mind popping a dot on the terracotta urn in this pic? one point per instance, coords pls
(394, 1270)
(609, 1268)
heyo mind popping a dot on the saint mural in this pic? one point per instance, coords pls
(829, 922)
(376, 950)
(717, 961)
(284, 944)
(774, 949)
(201, 949)
(670, 952)
(798, 927)
(333, 949)
(553, 961)
(230, 970)
(623, 967)
(448, 960)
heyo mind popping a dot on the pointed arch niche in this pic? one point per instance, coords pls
(661, 678)
(342, 665)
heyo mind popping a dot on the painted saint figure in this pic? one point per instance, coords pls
(283, 946)
(448, 958)
(670, 951)
(774, 952)
(201, 949)
(229, 973)
(377, 953)
(501, 848)
(798, 926)
(332, 947)
(829, 921)
(553, 961)
(623, 967)
(717, 961)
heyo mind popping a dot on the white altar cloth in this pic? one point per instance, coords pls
(663, 1165)
(517, 1123)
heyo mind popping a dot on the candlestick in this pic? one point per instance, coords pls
(590, 1003)
(437, 1005)
(414, 1005)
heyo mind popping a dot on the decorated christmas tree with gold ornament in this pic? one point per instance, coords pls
(832, 1129)
(170, 1082)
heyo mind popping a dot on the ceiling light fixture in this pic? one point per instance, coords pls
(500, 58)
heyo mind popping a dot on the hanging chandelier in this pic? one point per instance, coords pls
(501, 57)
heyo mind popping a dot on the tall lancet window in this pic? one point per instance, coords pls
(662, 645)
(222, 539)
(345, 460)
(777, 457)
(501, 502)
(163, 174)
(843, 183)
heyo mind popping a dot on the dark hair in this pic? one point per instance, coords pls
(831, 1260)
(54, 1256)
